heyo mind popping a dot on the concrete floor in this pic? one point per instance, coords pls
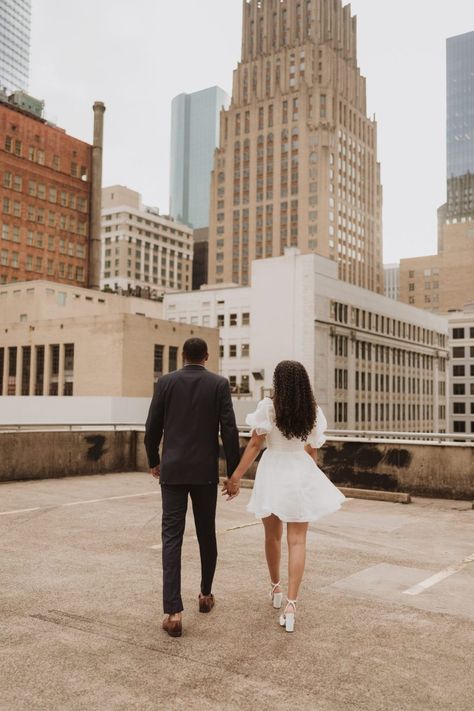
(81, 610)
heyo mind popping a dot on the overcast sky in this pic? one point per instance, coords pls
(136, 55)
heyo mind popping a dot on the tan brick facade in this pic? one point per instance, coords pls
(445, 281)
(297, 161)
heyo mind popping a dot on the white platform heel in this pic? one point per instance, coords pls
(276, 598)
(287, 620)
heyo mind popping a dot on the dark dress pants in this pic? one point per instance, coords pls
(175, 504)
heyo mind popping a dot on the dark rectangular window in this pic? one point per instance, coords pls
(158, 361)
(458, 371)
(471, 332)
(459, 408)
(459, 389)
(458, 333)
(172, 359)
(54, 370)
(26, 370)
(472, 351)
(459, 426)
(68, 387)
(2, 362)
(12, 353)
(458, 352)
(39, 374)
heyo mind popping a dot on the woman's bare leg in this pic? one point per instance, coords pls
(273, 533)
(296, 535)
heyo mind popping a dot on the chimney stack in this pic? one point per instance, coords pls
(96, 198)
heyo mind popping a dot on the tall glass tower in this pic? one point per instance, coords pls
(460, 104)
(194, 138)
(15, 27)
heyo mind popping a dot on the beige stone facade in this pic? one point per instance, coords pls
(442, 282)
(297, 161)
(100, 345)
(142, 251)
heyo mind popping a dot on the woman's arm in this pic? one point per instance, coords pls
(313, 453)
(250, 454)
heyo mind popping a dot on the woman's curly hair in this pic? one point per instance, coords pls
(293, 400)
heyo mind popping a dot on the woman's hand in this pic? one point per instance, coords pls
(231, 488)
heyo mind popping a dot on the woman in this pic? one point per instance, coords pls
(289, 487)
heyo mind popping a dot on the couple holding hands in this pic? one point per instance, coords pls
(189, 408)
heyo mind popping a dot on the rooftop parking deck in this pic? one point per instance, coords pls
(385, 621)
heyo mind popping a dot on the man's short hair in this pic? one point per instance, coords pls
(195, 350)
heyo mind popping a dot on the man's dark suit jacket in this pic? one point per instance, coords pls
(188, 407)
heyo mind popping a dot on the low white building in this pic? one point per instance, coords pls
(376, 364)
(226, 308)
(461, 346)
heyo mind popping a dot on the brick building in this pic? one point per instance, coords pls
(46, 199)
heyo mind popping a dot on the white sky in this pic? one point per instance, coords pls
(137, 55)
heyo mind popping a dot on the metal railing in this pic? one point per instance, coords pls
(444, 438)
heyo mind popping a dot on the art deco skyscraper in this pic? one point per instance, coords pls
(15, 25)
(297, 161)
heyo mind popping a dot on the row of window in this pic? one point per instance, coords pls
(37, 155)
(463, 352)
(32, 263)
(360, 318)
(233, 350)
(40, 190)
(37, 239)
(23, 370)
(461, 333)
(68, 223)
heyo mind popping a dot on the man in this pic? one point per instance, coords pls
(188, 407)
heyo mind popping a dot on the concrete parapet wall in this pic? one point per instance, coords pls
(423, 469)
(49, 455)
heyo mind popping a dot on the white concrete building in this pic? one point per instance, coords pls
(461, 347)
(392, 281)
(226, 308)
(376, 364)
(143, 252)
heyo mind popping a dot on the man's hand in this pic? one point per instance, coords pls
(155, 472)
(231, 488)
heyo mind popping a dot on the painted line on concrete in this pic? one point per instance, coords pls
(159, 546)
(78, 503)
(438, 577)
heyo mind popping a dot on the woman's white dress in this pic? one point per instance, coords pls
(288, 483)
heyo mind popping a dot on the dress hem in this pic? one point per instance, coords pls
(284, 519)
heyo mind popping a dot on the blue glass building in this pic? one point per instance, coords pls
(194, 138)
(460, 104)
(15, 29)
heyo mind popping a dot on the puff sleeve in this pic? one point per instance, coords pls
(260, 421)
(316, 439)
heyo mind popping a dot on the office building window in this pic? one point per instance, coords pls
(25, 370)
(12, 355)
(458, 333)
(54, 372)
(158, 360)
(172, 359)
(39, 374)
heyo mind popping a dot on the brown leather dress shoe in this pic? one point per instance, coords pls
(206, 603)
(173, 627)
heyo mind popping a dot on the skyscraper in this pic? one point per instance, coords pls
(297, 160)
(194, 137)
(460, 104)
(444, 282)
(15, 25)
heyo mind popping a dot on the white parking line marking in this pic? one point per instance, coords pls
(78, 503)
(438, 577)
(158, 546)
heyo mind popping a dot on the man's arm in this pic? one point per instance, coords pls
(229, 431)
(154, 426)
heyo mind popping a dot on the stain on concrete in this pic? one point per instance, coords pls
(96, 450)
(400, 458)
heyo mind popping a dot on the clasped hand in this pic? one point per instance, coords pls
(231, 489)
